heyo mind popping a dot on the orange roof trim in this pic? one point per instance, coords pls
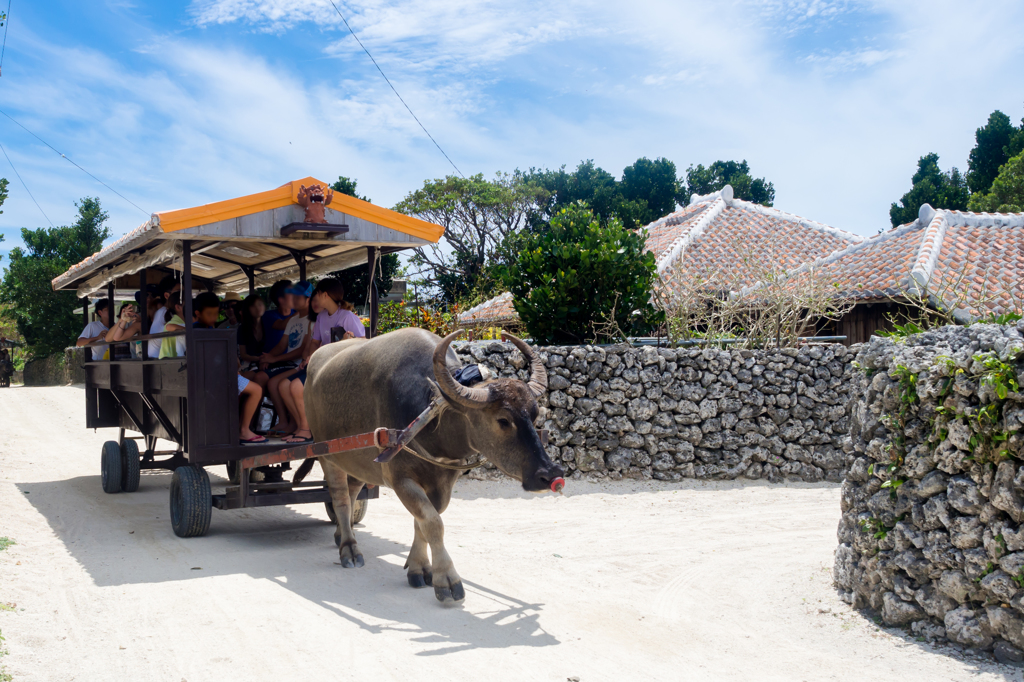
(287, 194)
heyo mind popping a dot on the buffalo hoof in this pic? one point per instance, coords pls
(350, 562)
(450, 595)
(420, 579)
(350, 556)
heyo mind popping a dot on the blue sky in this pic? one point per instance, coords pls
(177, 104)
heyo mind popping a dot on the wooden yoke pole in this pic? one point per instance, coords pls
(371, 257)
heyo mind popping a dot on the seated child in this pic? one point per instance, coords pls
(174, 346)
(97, 330)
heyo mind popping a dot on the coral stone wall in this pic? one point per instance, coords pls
(932, 507)
(696, 413)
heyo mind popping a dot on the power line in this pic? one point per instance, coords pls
(26, 187)
(147, 213)
(7, 25)
(407, 107)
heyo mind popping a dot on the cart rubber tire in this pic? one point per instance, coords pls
(358, 511)
(232, 468)
(130, 466)
(110, 467)
(191, 501)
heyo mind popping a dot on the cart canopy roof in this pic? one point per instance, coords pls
(263, 233)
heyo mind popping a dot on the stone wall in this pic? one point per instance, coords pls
(931, 534)
(617, 411)
(44, 371)
(56, 370)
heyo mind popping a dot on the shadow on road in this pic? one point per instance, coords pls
(126, 539)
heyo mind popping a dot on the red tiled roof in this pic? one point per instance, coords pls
(963, 259)
(731, 244)
(716, 238)
(495, 311)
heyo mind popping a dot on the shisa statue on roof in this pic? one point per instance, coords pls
(315, 199)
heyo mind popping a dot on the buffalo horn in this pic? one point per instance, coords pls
(538, 375)
(463, 395)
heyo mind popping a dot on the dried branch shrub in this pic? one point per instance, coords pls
(756, 300)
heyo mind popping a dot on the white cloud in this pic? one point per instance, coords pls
(832, 101)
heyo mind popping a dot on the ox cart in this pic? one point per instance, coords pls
(236, 245)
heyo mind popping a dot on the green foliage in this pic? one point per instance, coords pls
(645, 193)
(6, 542)
(990, 152)
(1001, 319)
(395, 315)
(648, 191)
(347, 185)
(4, 675)
(930, 186)
(581, 279)
(357, 279)
(44, 317)
(900, 331)
(877, 528)
(478, 215)
(1002, 377)
(701, 180)
(987, 441)
(906, 383)
(3, 195)
(1007, 190)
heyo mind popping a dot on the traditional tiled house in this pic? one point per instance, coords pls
(723, 241)
(970, 262)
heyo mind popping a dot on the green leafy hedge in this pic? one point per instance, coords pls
(578, 280)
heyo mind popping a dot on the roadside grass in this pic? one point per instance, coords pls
(5, 676)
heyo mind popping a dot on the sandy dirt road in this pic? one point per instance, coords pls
(623, 581)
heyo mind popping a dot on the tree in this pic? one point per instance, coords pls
(1007, 190)
(583, 279)
(45, 317)
(645, 193)
(347, 185)
(930, 186)
(3, 197)
(990, 151)
(477, 216)
(357, 279)
(588, 183)
(701, 180)
(648, 191)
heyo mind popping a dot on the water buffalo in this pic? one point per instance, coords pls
(358, 385)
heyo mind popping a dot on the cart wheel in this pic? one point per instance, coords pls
(191, 502)
(232, 468)
(110, 467)
(358, 511)
(130, 468)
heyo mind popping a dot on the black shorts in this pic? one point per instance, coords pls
(300, 377)
(274, 371)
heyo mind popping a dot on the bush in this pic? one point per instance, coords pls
(579, 280)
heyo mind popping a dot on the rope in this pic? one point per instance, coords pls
(26, 187)
(407, 108)
(75, 164)
(7, 25)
